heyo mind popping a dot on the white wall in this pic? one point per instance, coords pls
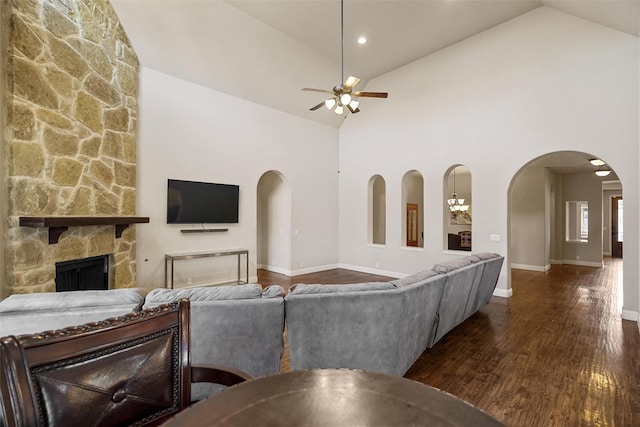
(527, 232)
(540, 83)
(274, 223)
(189, 132)
(549, 219)
(585, 187)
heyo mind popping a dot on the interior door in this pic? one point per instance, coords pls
(616, 226)
(412, 224)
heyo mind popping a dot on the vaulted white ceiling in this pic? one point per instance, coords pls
(265, 51)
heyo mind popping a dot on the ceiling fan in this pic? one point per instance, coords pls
(342, 95)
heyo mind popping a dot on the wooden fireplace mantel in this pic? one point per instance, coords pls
(59, 224)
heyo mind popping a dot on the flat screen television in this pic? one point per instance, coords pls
(191, 202)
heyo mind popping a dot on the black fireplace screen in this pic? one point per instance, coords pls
(83, 274)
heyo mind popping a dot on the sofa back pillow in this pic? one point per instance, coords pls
(453, 264)
(301, 288)
(67, 300)
(273, 291)
(213, 293)
(414, 278)
(481, 256)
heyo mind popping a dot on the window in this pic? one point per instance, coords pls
(584, 225)
(620, 221)
(577, 221)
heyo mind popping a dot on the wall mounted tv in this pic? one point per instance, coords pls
(190, 202)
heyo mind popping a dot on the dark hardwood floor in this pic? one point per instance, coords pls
(555, 354)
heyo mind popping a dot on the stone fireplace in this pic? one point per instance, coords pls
(69, 138)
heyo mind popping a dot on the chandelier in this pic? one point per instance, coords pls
(456, 205)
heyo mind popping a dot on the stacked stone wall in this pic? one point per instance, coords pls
(71, 79)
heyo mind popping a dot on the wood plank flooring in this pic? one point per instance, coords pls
(555, 354)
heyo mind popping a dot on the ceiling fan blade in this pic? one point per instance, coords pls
(314, 108)
(318, 90)
(350, 83)
(371, 94)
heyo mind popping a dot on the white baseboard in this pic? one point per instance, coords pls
(556, 261)
(308, 270)
(630, 315)
(583, 263)
(606, 253)
(274, 269)
(503, 293)
(297, 272)
(539, 268)
(368, 270)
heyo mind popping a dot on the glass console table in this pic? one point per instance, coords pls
(170, 259)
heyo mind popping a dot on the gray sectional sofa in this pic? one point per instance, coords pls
(31, 313)
(384, 327)
(237, 326)
(380, 326)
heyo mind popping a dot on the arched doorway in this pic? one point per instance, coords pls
(273, 223)
(560, 212)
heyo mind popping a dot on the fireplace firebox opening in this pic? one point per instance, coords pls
(83, 274)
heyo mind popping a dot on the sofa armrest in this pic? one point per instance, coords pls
(218, 375)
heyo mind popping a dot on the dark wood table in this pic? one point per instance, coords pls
(332, 397)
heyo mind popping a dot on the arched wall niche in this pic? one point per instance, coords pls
(412, 209)
(273, 222)
(457, 208)
(376, 211)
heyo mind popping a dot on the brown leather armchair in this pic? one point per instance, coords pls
(133, 369)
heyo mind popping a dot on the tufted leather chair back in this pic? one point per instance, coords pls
(130, 370)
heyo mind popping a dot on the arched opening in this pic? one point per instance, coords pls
(273, 223)
(561, 212)
(412, 209)
(376, 211)
(457, 209)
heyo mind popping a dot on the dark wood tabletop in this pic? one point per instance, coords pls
(332, 397)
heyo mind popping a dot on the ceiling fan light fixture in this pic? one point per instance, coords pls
(330, 103)
(596, 162)
(342, 93)
(345, 99)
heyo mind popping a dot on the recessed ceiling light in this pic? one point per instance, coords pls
(362, 40)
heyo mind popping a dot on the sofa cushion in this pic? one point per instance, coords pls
(414, 278)
(328, 289)
(481, 256)
(76, 299)
(454, 264)
(273, 291)
(213, 293)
